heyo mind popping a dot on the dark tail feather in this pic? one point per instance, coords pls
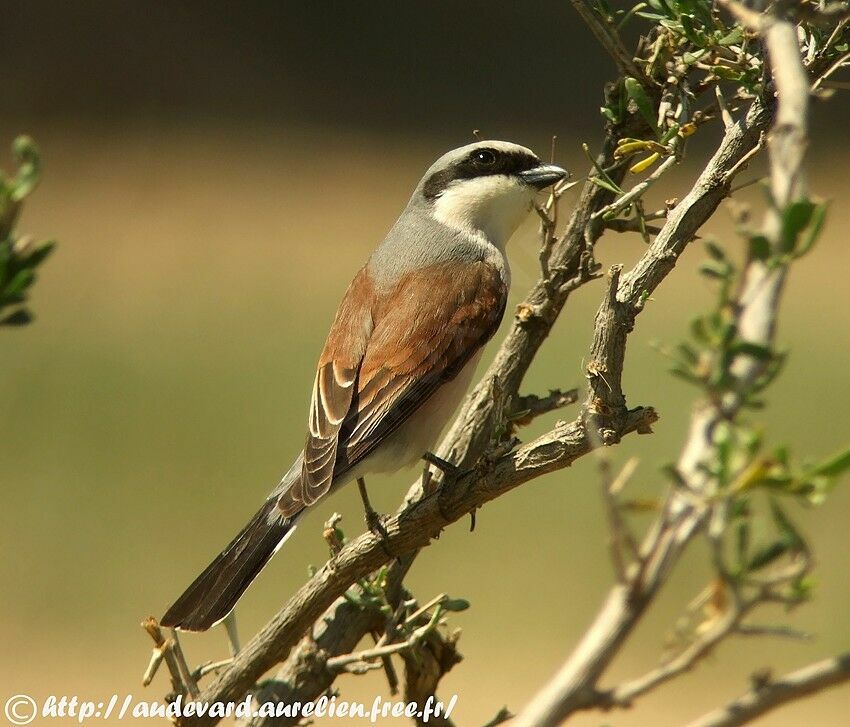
(214, 593)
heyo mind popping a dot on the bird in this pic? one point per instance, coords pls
(399, 355)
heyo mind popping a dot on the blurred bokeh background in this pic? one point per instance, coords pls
(215, 173)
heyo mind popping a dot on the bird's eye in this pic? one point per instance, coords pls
(484, 157)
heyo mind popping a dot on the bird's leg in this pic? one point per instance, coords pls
(232, 634)
(374, 521)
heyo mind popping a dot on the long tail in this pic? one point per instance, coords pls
(214, 593)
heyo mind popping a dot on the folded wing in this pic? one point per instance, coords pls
(386, 354)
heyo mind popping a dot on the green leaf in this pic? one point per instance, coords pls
(37, 256)
(26, 153)
(766, 555)
(637, 94)
(686, 375)
(20, 282)
(353, 597)
(812, 231)
(670, 133)
(655, 17)
(747, 348)
(771, 371)
(692, 33)
(795, 218)
(600, 182)
(455, 604)
(751, 440)
(759, 247)
(20, 317)
(715, 251)
(688, 354)
(802, 589)
(833, 467)
(742, 542)
(700, 331)
(713, 269)
(691, 58)
(787, 530)
(726, 73)
(736, 35)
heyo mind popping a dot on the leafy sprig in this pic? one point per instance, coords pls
(20, 256)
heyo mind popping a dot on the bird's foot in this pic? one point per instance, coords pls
(451, 474)
(374, 520)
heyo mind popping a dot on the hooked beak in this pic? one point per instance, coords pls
(543, 176)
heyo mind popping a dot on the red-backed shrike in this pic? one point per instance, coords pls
(399, 355)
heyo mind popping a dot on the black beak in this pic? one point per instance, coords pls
(543, 176)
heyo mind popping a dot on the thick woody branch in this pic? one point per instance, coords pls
(628, 292)
(767, 696)
(408, 530)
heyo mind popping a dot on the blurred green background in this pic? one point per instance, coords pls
(215, 173)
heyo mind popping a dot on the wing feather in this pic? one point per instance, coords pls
(385, 356)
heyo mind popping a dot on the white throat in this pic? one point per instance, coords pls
(491, 206)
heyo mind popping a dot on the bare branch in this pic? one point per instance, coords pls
(624, 694)
(632, 224)
(529, 407)
(341, 663)
(619, 204)
(765, 697)
(168, 650)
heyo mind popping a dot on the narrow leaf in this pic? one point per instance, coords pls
(833, 467)
(637, 94)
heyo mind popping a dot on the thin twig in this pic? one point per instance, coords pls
(181, 680)
(338, 663)
(528, 408)
(637, 191)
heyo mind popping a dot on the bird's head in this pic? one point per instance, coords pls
(487, 187)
